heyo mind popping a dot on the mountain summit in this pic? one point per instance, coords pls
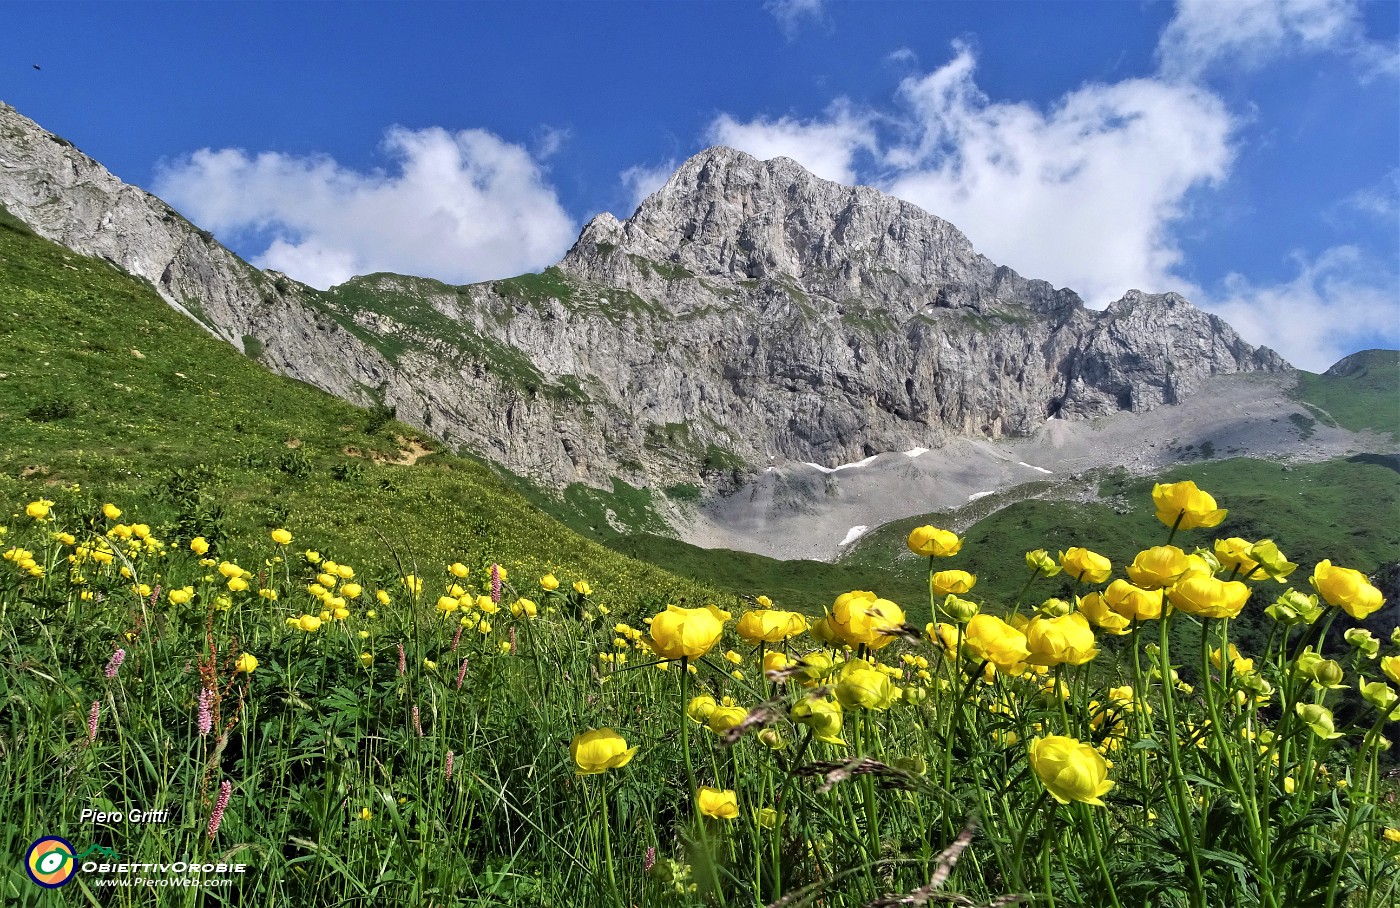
(747, 312)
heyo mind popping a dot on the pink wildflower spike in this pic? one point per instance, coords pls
(447, 772)
(496, 584)
(92, 720)
(417, 725)
(402, 666)
(205, 717)
(155, 594)
(649, 859)
(114, 664)
(512, 640)
(461, 674)
(217, 817)
(456, 638)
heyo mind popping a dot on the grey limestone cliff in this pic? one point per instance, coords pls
(747, 312)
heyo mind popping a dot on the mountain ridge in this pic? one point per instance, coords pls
(747, 313)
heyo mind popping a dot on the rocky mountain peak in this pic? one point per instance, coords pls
(727, 215)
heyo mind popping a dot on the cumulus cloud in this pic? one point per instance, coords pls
(1247, 34)
(640, 181)
(793, 14)
(462, 207)
(1338, 303)
(827, 145)
(1081, 195)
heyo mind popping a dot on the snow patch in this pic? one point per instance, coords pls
(844, 466)
(1033, 466)
(976, 495)
(915, 452)
(853, 534)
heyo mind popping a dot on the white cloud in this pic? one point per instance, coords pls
(791, 14)
(1339, 303)
(1082, 195)
(1246, 34)
(641, 182)
(1381, 200)
(461, 207)
(827, 146)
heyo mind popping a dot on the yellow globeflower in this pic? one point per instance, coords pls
(989, 639)
(582, 588)
(1270, 560)
(824, 717)
(1070, 770)
(247, 663)
(312, 556)
(597, 751)
(861, 617)
(1391, 834)
(1096, 609)
(1391, 666)
(1086, 566)
(948, 583)
(38, 509)
(722, 805)
(1133, 603)
(723, 718)
(1209, 597)
(182, 595)
(366, 814)
(1347, 589)
(413, 584)
(309, 623)
(1182, 505)
(1159, 566)
(862, 686)
(687, 632)
(774, 661)
(930, 541)
(351, 590)
(281, 537)
(111, 511)
(1234, 556)
(199, 545)
(1319, 719)
(1042, 563)
(770, 625)
(366, 659)
(699, 708)
(237, 584)
(458, 569)
(1066, 640)
(526, 607)
(1381, 696)
(944, 634)
(549, 582)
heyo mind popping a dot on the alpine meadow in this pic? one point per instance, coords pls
(770, 546)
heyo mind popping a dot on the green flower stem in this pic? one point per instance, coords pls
(690, 778)
(1093, 833)
(1178, 777)
(607, 845)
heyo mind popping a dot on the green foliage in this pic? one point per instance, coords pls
(1364, 398)
(253, 347)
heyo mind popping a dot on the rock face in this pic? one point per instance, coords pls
(748, 311)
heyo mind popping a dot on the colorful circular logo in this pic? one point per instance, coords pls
(50, 862)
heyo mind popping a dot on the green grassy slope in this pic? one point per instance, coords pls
(106, 386)
(1367, 396)
(1346, 510)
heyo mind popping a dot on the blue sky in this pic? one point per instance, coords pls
(1245, 153)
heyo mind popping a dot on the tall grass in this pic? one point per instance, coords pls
(336, 747)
